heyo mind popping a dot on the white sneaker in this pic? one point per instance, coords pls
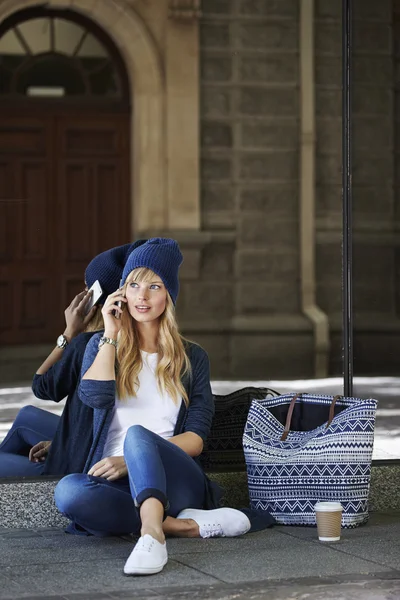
(220, 522)
(147, 557)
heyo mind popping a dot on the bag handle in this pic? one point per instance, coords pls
(332, 409)
(291, 409)
(289, 417)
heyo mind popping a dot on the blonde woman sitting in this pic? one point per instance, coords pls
(153, 408)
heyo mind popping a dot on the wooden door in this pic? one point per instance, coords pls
(64, 197)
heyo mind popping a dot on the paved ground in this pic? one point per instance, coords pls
(280, 563)
(384, 389)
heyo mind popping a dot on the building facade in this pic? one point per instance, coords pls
(217, 123)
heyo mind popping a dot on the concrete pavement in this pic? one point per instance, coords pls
(280, 563)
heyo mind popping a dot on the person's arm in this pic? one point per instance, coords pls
(97, 386)
(76, 321)
(201, 408)
(190, 442)
(103, 366)
(62, 378)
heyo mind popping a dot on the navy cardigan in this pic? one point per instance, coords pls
(197, 417)
(76, 422)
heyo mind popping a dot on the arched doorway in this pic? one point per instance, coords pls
(64, 164)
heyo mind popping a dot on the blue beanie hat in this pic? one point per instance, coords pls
(107, 268)
(160, 255)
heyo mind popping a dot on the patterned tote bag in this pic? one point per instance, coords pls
(303, 448)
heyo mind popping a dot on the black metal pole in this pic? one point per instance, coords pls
(347, 249)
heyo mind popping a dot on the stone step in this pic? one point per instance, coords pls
(29, 503)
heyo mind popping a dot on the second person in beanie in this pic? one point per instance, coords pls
(153, 409)
(49, 439)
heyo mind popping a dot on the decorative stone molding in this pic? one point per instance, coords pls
(164, 90)
(184, 10)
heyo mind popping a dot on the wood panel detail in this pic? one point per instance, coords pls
(33, 305)
(34, 181)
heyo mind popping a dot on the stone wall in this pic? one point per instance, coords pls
(249, 187)
(376, 318)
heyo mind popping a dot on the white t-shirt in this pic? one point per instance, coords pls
(155, 411)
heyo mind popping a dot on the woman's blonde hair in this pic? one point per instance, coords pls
(173, 361)
(96, 323)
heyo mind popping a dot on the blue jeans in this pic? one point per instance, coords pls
(156, 469)
(31, 425)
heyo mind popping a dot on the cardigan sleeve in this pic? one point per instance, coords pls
(201, 401)
(93, 393)
(63, 377)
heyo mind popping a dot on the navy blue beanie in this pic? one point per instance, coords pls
(163, 257)
(107, 268)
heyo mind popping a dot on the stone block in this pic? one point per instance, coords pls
(373, 265)
(269, 101)
(259, 298)
(328, 102)
(328, 200)
(328, 38)
(329, 169)
(216, 7)
(272, 200)
(269, 266)
(372, 38)
(278, 68)
(217, 262)
(215, 101)
(217, 347)
(269, 8)
(373, 132)
(374, 70)
(371, 202)
(268, 36)
(214, 35)
(373, 299)
(259, 231)
(396, 38)
(372, 100)
(328, 262)
(329, 135)
(328, 9)
(366, 299)
(218, 220)
(190, 268)
(282, 165)
(217, 134)
(272, 356)
(375, 169)
(274, 133)
(370, 9)
(329, 297)
(216, 168)
(217, 198)
(215, 68)
(206, 300)
(328, 70)
(376, 354)
(374, 201)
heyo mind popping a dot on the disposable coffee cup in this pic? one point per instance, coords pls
(329, 521)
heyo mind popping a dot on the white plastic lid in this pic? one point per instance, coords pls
(328, 506)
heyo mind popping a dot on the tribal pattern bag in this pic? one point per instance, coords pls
(303, 448)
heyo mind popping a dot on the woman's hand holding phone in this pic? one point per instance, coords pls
(76, 316)
(114, 305)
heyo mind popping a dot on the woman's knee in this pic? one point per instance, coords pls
(69, 491)
(137, 432)
(26, 413)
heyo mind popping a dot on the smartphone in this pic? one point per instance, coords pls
(117, 314)
(97, 293)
